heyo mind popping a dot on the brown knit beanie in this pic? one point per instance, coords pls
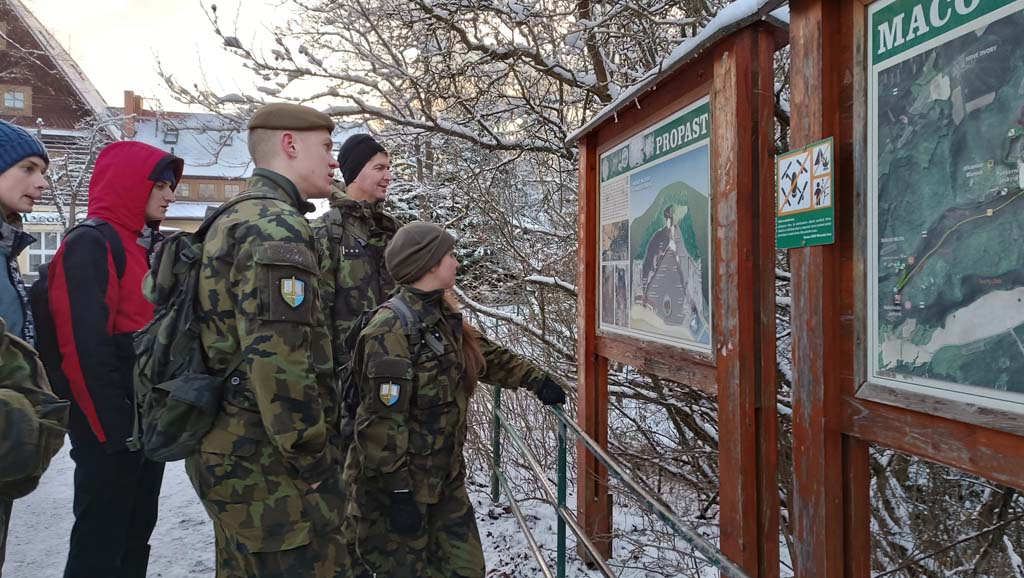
(416, 248)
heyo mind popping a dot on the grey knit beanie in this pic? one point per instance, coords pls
(416, 248)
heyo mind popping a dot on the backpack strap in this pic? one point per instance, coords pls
(200, 233)
(413, 327)
(111, 237)
(336, 228)
(410, 321)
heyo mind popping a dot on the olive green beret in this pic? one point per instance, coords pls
(416, 248)
(287, 116)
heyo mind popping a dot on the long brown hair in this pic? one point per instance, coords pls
(473, 357)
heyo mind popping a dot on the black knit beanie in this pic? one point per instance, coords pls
(357, 150)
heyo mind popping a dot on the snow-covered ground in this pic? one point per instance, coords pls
(37, 546)
(183, 539)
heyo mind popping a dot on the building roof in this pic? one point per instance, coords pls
(211, 145)
(188, 211)
(67, 66)
(734, 16)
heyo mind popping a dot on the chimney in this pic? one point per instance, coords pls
(129, 111)
(132, 107)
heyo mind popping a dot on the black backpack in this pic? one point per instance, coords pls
(39, 299)
(414, 331)
(177, 397)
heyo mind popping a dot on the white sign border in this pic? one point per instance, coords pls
(958, 393)
(687, 344)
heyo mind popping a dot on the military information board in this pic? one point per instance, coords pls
(804, 213)
(946, 199)
(656, 233)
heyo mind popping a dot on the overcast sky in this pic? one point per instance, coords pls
(117, 42)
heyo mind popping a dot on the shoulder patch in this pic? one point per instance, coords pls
(293, 291)
(389, 393)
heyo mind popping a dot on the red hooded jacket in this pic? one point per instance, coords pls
(95, 313)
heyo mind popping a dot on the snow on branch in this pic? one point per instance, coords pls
(551, 282)
(513, 320)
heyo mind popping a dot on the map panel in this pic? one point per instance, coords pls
(946, 271)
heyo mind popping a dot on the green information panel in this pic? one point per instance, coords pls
(656, 253)
(804, 215)
(946, 199)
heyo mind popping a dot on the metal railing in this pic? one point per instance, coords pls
(499, 483)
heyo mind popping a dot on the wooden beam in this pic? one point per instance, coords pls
(734, 296)
(661, 360)
(593, 500)
(992, 454)
(817, 446)
(743, 200)
(766, 416)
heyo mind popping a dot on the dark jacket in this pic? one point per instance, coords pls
(352, 236)
(412, 417)
(95, 313)
(14, 305)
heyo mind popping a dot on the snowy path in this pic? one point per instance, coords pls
(183, 539)
(41, 523)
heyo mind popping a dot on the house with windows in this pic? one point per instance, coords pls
(214, 148)
(43, 90)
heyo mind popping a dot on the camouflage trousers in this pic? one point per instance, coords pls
(447, 544)
(324, 556)
(267, 523)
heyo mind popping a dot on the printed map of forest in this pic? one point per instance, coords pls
(950, 210)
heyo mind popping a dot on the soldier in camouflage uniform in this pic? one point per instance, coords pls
(32, 422)
(409, 514)
(352, 236)
(266, 472)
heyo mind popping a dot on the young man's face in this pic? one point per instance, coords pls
(159, 199)
(22, 185)
(372, 182)
(313, 163)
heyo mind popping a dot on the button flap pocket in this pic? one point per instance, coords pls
(397, 367)
(288, 254)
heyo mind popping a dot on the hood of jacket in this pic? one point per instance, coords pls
(123, 180)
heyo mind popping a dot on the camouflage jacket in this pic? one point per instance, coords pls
(352, 237)
(411, 423)
(32, 419)
(258, 291)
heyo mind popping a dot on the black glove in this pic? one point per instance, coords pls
(550, 393)
(404, 515)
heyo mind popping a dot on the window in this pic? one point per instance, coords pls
(232, 190)
(17, 100)
(183, 191)
(171, 136)
(41, 252)
(207, 190)
(14, 99)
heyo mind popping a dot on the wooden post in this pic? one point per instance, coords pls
(744, 300)
(830, 504)
(593, 500)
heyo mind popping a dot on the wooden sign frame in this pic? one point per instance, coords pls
(736, 72)
(835, 414)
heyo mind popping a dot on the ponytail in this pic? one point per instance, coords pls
(473, 357)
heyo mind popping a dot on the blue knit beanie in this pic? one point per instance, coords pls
(16, 144)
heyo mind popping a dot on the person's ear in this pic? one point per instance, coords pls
(288, 145)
